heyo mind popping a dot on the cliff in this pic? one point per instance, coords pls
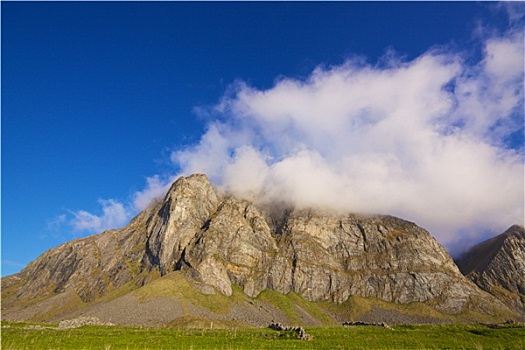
(220, 243)
(497, 266)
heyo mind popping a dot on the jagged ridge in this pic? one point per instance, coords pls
(219, 241)
(497, 266)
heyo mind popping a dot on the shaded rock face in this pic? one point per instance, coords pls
(498, 265)
(90, 267)
(219, 240)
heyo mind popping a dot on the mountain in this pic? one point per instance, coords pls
(497, 266)
(200, 254)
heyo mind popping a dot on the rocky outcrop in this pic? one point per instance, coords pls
(497, 266)
(322, 256)
(219, 241)
(186, 207)
(383, 257)
(326, 257)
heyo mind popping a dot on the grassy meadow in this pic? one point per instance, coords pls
(18, 336)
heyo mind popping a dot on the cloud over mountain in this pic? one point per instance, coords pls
(437, 140)
(114, 214)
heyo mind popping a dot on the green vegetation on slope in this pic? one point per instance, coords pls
(175, 286)
(269, 304)
(292, 304)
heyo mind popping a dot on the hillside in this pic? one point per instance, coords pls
(497, 266)
(200, 255)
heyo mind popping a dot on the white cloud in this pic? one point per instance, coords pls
(114, 215)
(250, 165)
(504, 58)
(490, 95)
(515, 11)
(209, 156)
(56, 223)
(423, 140)
(155, 187)
(426, 140)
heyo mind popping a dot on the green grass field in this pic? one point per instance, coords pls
(16, 336)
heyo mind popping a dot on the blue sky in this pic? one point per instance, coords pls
(104, 103)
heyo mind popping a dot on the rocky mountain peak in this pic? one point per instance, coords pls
(497, 265)
(222, 240)
(185, 209)
(219, 241)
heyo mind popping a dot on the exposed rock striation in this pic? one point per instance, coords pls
(219, 241)
(90, 267)
(186, 207)
(322, 256)
(497, 266)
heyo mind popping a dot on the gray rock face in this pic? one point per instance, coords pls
(325, 257)
(219, 240)
(91, 267)
(236, 246)
(187, 206)
(498, 265)
(322, 256)
(383, 257)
